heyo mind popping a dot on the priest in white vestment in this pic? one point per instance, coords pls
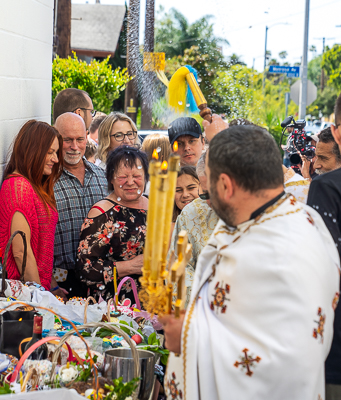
(260, 320)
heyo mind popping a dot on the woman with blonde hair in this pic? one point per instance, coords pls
(159, 142)
(115, 130)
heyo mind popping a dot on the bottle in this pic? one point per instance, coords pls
(41, 352)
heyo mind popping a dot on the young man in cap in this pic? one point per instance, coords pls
(187, 132)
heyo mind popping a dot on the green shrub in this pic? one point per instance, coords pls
(97, 78)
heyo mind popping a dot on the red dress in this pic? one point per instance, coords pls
(17, 194)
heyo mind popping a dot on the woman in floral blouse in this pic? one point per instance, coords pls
(114, 232)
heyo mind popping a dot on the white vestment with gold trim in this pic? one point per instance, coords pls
(260, 321)
(296, 185)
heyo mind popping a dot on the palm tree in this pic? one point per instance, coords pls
(174, 34)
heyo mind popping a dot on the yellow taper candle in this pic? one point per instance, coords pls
(162, 187)
(154, 169)
(173, 169)
(115, 285)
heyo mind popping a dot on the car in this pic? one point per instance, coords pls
(325, 125)
(144, 133)
(313, 127)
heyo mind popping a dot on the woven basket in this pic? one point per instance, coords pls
(106, 325)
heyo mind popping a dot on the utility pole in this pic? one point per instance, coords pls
(63, 28)
(322, 70)
(133, 55)
(323, 50)
(304, 69)
(148, 77)
(265, 51)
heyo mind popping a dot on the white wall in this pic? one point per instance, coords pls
(26, 36)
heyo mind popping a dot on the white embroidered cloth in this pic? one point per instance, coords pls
(296, 185)
(260, 321)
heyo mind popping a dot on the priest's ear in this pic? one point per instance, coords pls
(225, 187)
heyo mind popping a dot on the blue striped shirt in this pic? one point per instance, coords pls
(73, 204)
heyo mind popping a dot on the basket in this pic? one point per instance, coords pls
(62, 341)
(106, 325)
(133, 286)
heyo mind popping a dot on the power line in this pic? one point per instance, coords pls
(280, 18)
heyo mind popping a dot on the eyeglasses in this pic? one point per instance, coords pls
(93, 112)
(204, 196)
(119, 136)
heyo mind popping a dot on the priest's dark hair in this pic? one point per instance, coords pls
(128, 156)
(249, 155)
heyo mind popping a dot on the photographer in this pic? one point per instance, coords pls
(328, 155)
(300, 148)
(307, 168)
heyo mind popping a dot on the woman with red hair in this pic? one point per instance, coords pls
(27, 201)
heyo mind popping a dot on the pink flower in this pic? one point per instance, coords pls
(87, 222)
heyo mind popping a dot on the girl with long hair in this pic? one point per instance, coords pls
(187, 189)
(27, 201)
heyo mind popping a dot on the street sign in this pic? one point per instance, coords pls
(154, 61)
(295, 92)
(291, 72)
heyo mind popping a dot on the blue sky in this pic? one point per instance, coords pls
(243, 24)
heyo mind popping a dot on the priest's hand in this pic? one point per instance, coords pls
(172, 327)
(217, 125)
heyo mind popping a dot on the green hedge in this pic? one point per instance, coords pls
(97, 78)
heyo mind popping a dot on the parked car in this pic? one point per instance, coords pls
(325, 125)
(142, 134)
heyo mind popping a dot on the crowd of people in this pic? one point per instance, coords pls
(266, 241)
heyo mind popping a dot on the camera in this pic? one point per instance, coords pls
(299, 143)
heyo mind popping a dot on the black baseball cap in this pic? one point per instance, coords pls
(183, 126)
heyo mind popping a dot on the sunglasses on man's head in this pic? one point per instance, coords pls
(204, 196)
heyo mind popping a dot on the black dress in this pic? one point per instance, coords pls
(116, 235)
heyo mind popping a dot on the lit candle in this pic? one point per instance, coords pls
(115, 285)
(173, 169)
(154, 169)
(162, 188)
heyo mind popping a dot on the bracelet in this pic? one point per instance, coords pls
(55, 288)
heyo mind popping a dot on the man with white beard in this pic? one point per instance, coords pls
(80, 186)
(260, 320)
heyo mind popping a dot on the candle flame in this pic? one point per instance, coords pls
(164, 166)
(175, 146)
(20, 319)
(155, 155)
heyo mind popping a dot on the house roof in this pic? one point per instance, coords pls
(95, 28)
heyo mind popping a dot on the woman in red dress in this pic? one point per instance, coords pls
(27, 202)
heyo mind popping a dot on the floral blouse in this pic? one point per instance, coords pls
(116, 235)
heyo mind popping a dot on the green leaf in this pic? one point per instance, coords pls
(152, 338)
(5, 389)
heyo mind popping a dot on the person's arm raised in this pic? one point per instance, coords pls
(217, 125)
(19, 223)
